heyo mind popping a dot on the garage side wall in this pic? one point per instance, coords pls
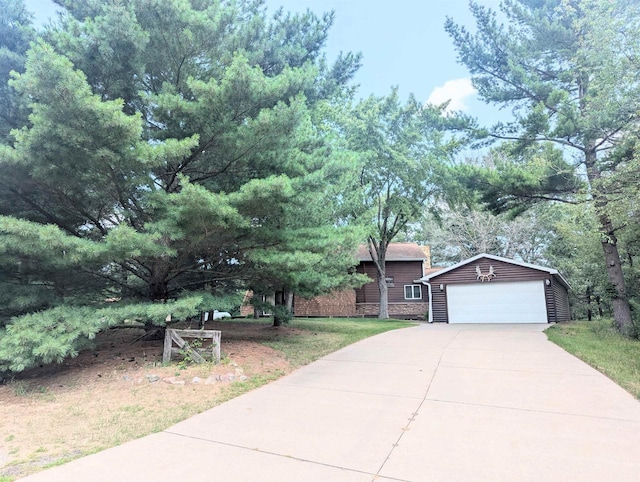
(561, 300)
(467, 274)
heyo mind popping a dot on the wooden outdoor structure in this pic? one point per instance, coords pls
(183, 347)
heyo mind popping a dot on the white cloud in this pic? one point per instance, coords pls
(455, 91)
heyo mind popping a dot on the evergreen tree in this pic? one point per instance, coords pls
(178, 141)
(555, 64)
(16, 32)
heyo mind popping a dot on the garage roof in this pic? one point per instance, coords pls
(553, 272)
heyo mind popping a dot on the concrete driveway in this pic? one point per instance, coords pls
(429, 403)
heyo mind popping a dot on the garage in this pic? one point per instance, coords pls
(507, 302)
(492, 289)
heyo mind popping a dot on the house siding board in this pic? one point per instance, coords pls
(368, 293)
(551, 303)
(439, 304)
(403, 273)
(561, 298)
(504, 272)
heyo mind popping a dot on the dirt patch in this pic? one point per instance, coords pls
(119, 390)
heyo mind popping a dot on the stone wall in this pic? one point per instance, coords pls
(339, 304)
(414, 311)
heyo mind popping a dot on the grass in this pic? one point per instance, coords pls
(326, 335)
(601, 346)
(137, 410)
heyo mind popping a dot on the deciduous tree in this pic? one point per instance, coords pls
(403, 155)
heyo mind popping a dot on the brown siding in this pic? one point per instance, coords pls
(561, 297)
(367, 293)
(439, 304)
(403, 273)
(503, 271)
(550, 301)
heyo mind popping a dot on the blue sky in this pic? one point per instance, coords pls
(403, 43)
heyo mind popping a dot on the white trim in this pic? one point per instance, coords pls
(412, 292)
(430, 302)
(555, 272)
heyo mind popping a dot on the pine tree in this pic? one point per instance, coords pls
(178, 143)
(569, 71)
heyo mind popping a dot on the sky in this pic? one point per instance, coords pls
(403, 44)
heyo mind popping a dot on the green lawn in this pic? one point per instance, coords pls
(598, 344)
(322, 336)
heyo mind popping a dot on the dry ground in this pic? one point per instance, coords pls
(108, 395)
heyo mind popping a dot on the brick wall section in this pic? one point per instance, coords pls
(246, 308)
(413, 311)
(339, 303)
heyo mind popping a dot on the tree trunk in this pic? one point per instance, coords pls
(158, 286)
(289, 301)
(158, 293)
(599, 304)
(378, 253)
(383, 314)
(278, 309)
(619, 300)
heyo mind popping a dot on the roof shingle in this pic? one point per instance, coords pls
(395, 252)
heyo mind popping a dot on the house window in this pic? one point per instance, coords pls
(412, 292)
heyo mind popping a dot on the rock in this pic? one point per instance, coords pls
(174, 381)
(210, 380)
(242, 378)
(152, 378)
(196, 380)
(126, 378)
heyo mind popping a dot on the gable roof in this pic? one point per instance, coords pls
(553, 272)
(396, 252)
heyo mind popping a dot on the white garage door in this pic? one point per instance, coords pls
(495, 302)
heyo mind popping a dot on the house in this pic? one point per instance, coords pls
(407, 299)
(491, 289)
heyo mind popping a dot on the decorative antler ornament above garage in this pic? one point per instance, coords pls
(485, 276)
